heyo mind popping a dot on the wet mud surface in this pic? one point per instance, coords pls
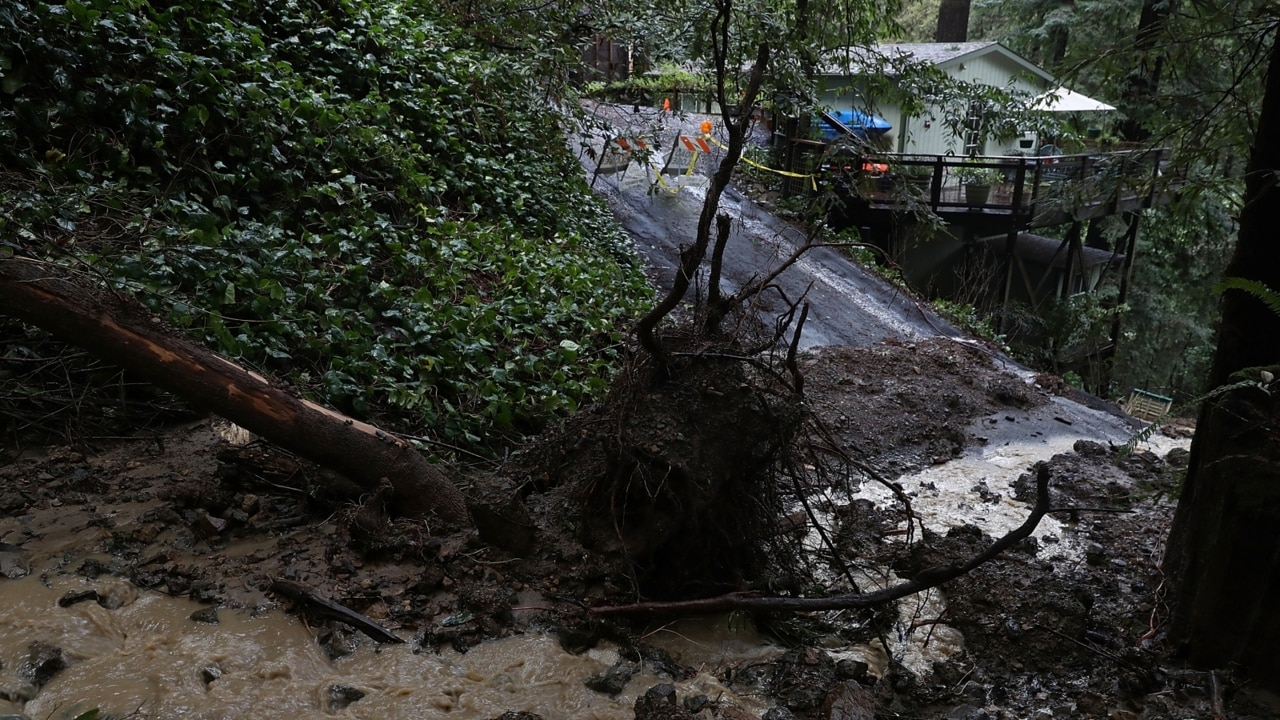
(1047, 632)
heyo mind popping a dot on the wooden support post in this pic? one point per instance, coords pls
(1011, 243)
(1126, 269)
(1075, 258)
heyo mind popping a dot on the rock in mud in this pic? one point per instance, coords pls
(613, 680)
(75, 597)
(967, 712)
(662, 663)
(209, 616)
(116, 594)
(489, 602)
(695, 703)
(21, 693)
(848, 701)
(42, 663)
(659, 703)
(13, 564)
(506, 525)
(430, 580)
(340, 696)
(849, 669)
(92, 568)
(801, 678)
(338, 643)
(513, 715)
(577, 640)
(210, 674)
(12, 501)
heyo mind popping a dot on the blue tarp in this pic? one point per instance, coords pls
(863, 124)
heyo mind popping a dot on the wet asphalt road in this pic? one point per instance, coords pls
(848, 305)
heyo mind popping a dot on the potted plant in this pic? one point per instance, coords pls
(918, 177)
(977, 183)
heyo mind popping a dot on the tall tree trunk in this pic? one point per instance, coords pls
(1223, 555)
(1144, 80)
(953, 21)
(115, 328)
(1056, 46)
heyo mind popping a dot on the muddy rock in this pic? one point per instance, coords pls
(659, 703)
(486, 601)
(208, 616)
(22, 692)
(340, 696)
(615, 679)
(75, 597)
(661, 662)
(43, 661)
(13, 564)
(211, 673)
(13, 501)
(695, 703)
(801, 679)
(338, 643)
(848, 701)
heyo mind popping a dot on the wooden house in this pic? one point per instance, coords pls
(843, 89)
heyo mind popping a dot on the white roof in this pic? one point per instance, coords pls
(1063, 99)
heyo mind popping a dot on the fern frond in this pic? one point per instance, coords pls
(1269, 297)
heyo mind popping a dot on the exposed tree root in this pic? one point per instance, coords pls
(929, 578)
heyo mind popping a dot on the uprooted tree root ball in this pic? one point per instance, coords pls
(685, 473)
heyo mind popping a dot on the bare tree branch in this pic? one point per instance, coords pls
(737, 118)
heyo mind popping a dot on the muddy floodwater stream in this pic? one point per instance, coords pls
(147, 655)
(132, 652)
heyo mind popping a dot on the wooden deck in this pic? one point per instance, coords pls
(1035, 191)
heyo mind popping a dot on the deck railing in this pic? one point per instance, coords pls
(1043, 189)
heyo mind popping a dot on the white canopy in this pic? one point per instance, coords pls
(1062, 99)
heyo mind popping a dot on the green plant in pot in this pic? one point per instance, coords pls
(919, 177)
(977, 183)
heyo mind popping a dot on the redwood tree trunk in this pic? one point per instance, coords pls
(113, 327)
(1223, 556)
(953, 21)
(1144, 81)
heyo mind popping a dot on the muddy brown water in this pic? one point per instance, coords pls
(149, 657)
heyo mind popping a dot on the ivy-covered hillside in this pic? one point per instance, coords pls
(343, 193)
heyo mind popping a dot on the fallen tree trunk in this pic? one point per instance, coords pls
(115, 327)
(929, 578)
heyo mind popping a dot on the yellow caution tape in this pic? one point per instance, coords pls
(812, 179)
(665, 186)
